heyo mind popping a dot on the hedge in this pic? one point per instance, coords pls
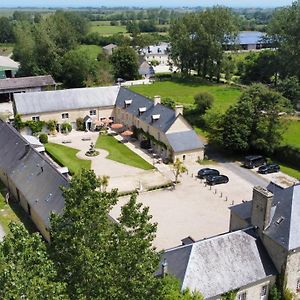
(288, 155)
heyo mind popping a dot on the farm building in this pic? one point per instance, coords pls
(167, 131)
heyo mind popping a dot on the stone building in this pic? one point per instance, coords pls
(263, 244)
(166, 129)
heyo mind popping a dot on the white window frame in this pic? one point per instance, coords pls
(35, 118)
(65, 116)
(93, 112)
(264, 290)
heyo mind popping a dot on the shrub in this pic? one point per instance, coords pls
(66, 128)
(80, 124)
(289, 155)
(35, 126)
(18, 124)
(203, 102)
(51, 125)
(43, 138)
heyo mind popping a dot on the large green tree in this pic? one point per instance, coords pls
(99, 258)
(284, 29)
(197, 40)
(125, 63)
(254, 122)
(6, 30)
(26, 271)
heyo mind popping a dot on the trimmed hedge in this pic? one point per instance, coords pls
(43, 138)
(288, 155)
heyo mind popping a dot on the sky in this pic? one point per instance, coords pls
(143, 3)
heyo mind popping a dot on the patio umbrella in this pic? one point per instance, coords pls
(127, 133)
(116, 126)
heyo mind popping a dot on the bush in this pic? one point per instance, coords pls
(203, 102)
(288, 155)
(51, 125)
(35, 126)
(66, 128)
(43, 138)
(80, 124)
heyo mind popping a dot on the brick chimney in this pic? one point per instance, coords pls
(178, 110)
(261, 207)
(157, 100)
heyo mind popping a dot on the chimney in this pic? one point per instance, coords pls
(156, 100)
(178, 110)
(261, 207)
(164, 268)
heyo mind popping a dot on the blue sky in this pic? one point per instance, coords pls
(143, 3)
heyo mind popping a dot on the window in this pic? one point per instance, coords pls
(36, 118)
(298, 285)
(264, 290)
(242, 296)
(65, 116)
(93, 112)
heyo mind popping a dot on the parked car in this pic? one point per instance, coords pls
(253, 161)
(145, 144)
(268, 168)
(217, 179)
(203, 173)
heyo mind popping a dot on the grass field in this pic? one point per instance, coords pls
(97, 26)
(120, 153)
(184, 92)
(66, 156)
(292, 135)
(91, 50)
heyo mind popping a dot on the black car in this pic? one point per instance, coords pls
(268, 168)
(217, 179)
(253, 161)
(203, 173)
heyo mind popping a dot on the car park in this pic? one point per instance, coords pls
(253, 161)
(217, 179)
(268, 168)
(203, 173)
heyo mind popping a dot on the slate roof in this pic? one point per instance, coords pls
(35, 177)
(60, 100)
(220, 264)
(186, 140)
(286, 204)
(26, 82)
(160, 49)
(250, 37)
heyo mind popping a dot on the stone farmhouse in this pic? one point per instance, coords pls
(159, 53)
(166, 129)
(31, 179)
(263, 245)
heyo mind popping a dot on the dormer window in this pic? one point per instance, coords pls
(142, 110)
(127, 103)
(155, 117)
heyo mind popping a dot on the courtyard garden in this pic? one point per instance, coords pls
(120, 153)
(66, 156)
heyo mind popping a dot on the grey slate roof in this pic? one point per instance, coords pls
(220, 264)
(35, 177)
(286, 204)
(60, 100)
(26, 82)
(183, 141)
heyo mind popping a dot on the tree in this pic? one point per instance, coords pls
(284, 29)
(274, 293)
(168, 102)
(103, 180)
(26, 271)
(197, 40)
(125, 63)
(254, 122)
(6, 31)
(290, 88)
(178, 168)
(203, 102)
(98, 258)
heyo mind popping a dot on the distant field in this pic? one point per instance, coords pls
(97, 26)
(292, 135)
(91, 50)
(6, 49)
(183, 93)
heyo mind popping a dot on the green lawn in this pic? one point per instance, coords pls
(120, 153)
(95, 26)
(66, 156)
(184, 92)
(290, 171)
(292, 135)
(91, 50)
